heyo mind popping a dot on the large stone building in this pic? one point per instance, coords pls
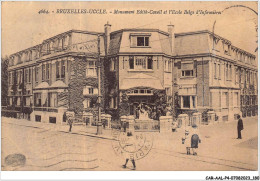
(211, 73)
(60, 74)
(163, 72)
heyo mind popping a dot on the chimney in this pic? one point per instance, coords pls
(107, 28)
(171, 37)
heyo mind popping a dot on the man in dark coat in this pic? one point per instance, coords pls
(240, 127)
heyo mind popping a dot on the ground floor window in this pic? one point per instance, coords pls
(38, 118)
(37, 99)
(52, 120)
(188, 102)
(90, 102)
(52, 99)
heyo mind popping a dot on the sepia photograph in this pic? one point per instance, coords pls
(130, 86)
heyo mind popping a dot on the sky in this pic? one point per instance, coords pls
(24, 27)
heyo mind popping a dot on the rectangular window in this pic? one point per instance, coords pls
(150, 62)
(168, 65)
(215, 70)
(131, 62)
(37, 99)
(89, 102)
(187, 69)
(227, 75)
(52, 120)
(91, 68)
(187, 73)
(26, 76)
(194, 101)
(219, 71)
(43, 72)
(142, 41)
(140, 63)
(38, 118)
(30, 75)
(52, 99)
(91, 91)
(63, 69)
(57, 70)
(88, 90)
(36, 73)
(47, 71)
(186, 101)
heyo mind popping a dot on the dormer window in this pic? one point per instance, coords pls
(142, 41)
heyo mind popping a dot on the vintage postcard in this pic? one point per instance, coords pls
(129, 86)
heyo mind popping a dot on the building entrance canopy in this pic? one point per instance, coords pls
(141, 80)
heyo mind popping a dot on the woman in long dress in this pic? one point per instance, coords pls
(195, 139)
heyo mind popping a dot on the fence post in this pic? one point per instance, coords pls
(131, 121)
(165, 124)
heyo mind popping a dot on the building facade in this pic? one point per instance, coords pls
(161, 72)
(213, 74)
(58, 75)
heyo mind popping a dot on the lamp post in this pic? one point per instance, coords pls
(99, 123)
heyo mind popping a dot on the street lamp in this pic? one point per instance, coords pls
(99, 123)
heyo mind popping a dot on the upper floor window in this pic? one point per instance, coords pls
(142, 41)
(91, 68)
(26, 75)
(11, 78)
(141, 62)
(187, 69)
(60, 69)
(43, 72)
(89, 90)
(47, 71)
(168, 65)
(36, 73)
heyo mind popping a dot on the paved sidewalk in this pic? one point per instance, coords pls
(76, 129)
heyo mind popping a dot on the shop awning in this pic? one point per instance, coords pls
(141, 80)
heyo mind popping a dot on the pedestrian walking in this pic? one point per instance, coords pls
(130, 143)
(191, 140)
(70, 122)
(195, 139)
(186, 141)
(240, 127)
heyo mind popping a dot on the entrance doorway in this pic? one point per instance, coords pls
(141, 102)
